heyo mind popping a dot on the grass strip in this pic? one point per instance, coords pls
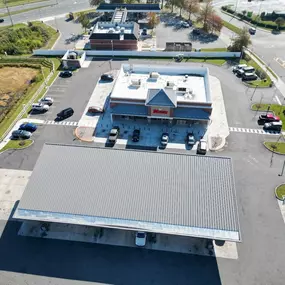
(17, 144)
(22, 11)
(231, 27)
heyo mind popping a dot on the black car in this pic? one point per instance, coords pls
(196, 32)
(68, 112)
(136, 135)
(107, 77)
(1, 20)
(66, 73)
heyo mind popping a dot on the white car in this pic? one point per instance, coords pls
(40, 107)
(46, 101)
(164, 139)
(140, 239)
(238, 67)
(202, 147)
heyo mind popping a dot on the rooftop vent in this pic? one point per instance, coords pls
(122, 30)
(189, 95)
(154, 75)
(136, 82)
(169, 84)
(111, 31)
(117, 28)
(185, 78)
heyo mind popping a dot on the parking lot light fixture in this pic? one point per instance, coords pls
(253, 92)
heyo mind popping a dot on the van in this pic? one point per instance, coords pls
(68, 112)
(249, 76)
(247, 69)
(238, 67)
(273, 126)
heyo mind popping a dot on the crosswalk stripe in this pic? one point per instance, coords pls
(252, 131)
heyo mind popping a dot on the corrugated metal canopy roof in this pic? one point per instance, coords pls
(164, 192)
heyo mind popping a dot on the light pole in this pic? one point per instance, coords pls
(5, 3)
(282, 171)
(254, 92)
(112, 48)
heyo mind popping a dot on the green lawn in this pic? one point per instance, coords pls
(11, 3)
(22, 11)
(210, 61)
(231, 27)
(276, 109)
(32, 89)
(280, 192)
(15, 27)
(214, 49)
(17, 144)
(276, 146)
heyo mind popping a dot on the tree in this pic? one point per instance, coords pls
(241, 40)
(128, 1)
(279, 22)
(215, 23)
(83, 20)
(192, 7)
(205, 14)
(180, 4)
(94, 2)
(153, 20)
(172, 3)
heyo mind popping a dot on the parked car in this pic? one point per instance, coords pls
(114, 134)
(196, 32)
(1, 20)
(28, 127)
(144, 32)
(267, 118)
(164, 139)
(239, 66)
(46, 101)
(107, 77)
(202, 147)
(66, 73)
(190, 139)
(21, 134)
(40, 107)
(66, 113)
(136, 135)
(140, 239)
(95, 109)
(252, 30)
(185, 25)
(273, 126)
(247, 69)
(249, 76)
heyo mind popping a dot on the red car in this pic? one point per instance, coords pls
(267, 118)
(95, 109)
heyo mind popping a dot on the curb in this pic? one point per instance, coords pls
(17, 148)
(276, 193)
(220, 146)
(78, 137)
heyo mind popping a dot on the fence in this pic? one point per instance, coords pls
(30, 102)
(143, 54)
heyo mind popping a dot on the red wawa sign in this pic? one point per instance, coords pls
(157, 111)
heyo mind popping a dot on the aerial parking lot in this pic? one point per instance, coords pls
(255, 170)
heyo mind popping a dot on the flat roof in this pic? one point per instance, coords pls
(105, 7)
(195, 82)
(139, 190)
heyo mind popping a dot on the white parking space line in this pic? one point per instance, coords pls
(64, 123)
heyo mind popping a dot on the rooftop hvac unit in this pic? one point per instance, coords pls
(169, 84)
(188, 95)
(185, 78)
(136, 82)
(154, 75)
(122, 30)
(117, 28)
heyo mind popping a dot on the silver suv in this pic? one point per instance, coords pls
(40, 107)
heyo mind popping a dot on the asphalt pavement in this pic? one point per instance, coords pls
(34, 261)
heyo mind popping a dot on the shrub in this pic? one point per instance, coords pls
(260, 73)
(249, 14)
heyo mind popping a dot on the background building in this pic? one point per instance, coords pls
(172, 94)
(114, 36)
